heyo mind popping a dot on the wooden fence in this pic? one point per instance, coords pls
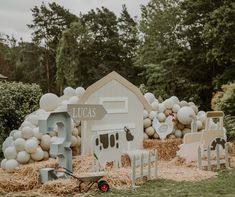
(211, 158)
(144, 164)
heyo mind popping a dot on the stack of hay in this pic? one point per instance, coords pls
(27, 144)
(182, 112)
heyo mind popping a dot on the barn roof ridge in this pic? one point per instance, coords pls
(115, 76)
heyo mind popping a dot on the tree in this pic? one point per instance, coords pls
(160, 50)
(208, 31)
(129, 41)
(48, 25)
(66, 60)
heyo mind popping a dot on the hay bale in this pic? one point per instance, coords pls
(60, 187)
(231, 148)
(166, 149)
(26, 178)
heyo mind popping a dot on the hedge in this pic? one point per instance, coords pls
(16, 101)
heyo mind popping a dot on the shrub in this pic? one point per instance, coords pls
(225, 101)
(16, 101)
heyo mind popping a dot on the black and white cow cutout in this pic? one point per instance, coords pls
(109, 146)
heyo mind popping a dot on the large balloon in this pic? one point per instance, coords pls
(185, 115)
(49, 102)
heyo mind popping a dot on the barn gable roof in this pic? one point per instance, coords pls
(115, 76)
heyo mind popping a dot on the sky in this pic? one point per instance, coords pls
(16, 14)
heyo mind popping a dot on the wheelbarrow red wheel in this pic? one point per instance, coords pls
(103, 186)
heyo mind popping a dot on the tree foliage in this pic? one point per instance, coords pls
(183, 50)
(16, 101)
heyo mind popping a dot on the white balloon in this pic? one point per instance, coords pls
(23, 157)
(17, 134)
(146, 136)
(152, 115)
(168, 104)
(145, 114)
(30, 145)
(19, 144)
(155, 106)
(12, 132)
(202, 116)
(194, 108)
(174, 99)
(27, 132)
(38, 155)
(49, 102)
(11, 165)
(79, 91)
(161, 108)
(33, 119)
(36, 133)
(178, 133)
(183, 103)
(185, 115)
(73, 141)
(3, 164)
(10, 152)
(68, 92)
(149, 97)
(161, 117)
(26, 123)
(147, 122)
(186, 130)
(8, 143)
(45, 142)
(150, 131)
(46, 155)
(199, 124)
(176, 108)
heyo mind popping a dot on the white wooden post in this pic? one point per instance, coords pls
(149, 165)
(156, 162)
(217, 156)
(199, 158)
(226, 156)
(142, 165)
(133, 172)
(209, 157)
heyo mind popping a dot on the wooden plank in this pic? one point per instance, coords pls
(156, 163)
(209, 157)
(199, 158)
(133, 172)
(217, 156)
(226, 156)
(149, 165)
(142, 165)
(214, 114)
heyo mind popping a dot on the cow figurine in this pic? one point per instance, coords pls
(109, 146)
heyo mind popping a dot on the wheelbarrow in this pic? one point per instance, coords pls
(89, 179)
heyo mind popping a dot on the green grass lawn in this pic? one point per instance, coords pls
(222, 186)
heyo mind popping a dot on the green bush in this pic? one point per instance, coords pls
(229, 124)
(16, 101)
(225, 101)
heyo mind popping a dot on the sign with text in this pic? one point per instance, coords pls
(86, 111)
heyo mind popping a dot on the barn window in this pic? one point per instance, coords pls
(115, 105)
